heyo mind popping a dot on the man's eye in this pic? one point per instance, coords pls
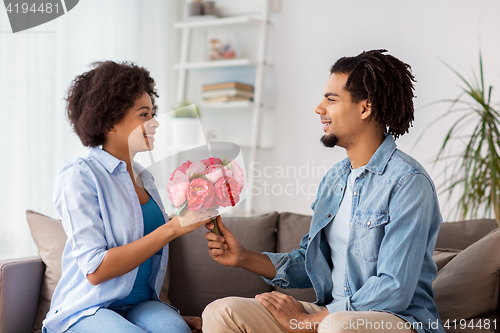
(331, 100)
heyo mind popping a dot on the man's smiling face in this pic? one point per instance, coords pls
(340, 116)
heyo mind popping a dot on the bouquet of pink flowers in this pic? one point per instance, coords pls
(206, 184)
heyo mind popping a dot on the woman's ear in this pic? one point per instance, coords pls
(367, 110)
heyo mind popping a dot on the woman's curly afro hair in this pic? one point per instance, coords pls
(100, 98)
(386, 82)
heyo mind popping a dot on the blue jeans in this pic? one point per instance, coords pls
(150, 316)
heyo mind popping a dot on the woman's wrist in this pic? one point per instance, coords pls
(171, 229)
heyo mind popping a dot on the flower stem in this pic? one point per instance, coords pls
(216, 230)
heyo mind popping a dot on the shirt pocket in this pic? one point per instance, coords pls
(369, 230)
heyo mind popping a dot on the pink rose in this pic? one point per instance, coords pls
(200, 193)
(196, 168)
(212, 161)
(214, 172)
(177, 188)
(238, 173)
(227, 192)
(182, 168)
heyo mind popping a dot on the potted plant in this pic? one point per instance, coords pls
(186, 125)
(476, 170)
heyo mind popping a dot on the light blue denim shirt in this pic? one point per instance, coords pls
(395, 219)
(97, 202)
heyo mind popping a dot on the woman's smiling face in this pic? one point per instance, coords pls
(137, 129)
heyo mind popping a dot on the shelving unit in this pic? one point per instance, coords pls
(260, 21)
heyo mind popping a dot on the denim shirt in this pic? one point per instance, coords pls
(100, 210)
(395, 219)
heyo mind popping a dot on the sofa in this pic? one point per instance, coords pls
(466, 288)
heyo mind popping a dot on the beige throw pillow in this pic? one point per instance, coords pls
(50, 238)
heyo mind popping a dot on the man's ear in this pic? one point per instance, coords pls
(367, 110)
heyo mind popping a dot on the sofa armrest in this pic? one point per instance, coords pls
(20, 282)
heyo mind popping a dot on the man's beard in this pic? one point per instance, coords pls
(329, 140)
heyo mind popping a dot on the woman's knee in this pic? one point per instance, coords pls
(157, 317)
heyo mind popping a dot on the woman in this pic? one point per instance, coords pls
(116, 254)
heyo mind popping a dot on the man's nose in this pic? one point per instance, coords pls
(320, 109)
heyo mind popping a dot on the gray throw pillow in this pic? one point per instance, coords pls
(468, 285)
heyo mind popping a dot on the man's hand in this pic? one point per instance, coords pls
(194, 323)
(284, 308)
(225, 249)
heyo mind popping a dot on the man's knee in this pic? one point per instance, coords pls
(221, 308)
(340, 322)
(226, 315)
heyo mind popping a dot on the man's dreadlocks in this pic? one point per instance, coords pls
(386, 82)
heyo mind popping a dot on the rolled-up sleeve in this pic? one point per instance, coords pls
(76, 201)
(290, 268)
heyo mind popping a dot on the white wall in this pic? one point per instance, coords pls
(311, 35)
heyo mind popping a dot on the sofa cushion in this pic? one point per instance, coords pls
(459, 235)
(468, 286)
(197, 279)
(50, 238)
(443, 256)
(291, 228)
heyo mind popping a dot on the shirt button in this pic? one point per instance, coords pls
(309, 238)
(341, 188)
(368, 223)
(329, 215)
(355, 193)
(308, 269)
(345, 288)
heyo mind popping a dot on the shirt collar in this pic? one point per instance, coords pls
(110, 163)
(379, 159)
(382, 155)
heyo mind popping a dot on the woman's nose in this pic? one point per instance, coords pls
(153, 123)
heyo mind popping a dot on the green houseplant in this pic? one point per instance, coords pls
(185, 110)
(186, 126)
(475, 170)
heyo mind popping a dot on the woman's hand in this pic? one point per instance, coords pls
(191, 220)
(225, 249)
(194, 323)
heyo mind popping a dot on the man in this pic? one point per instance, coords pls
(374, 227)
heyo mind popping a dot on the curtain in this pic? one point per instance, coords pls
(36, 69)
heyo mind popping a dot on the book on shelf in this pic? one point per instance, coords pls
(232, 92)
(225, 99)
(227, 85)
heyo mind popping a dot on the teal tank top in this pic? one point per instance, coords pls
(141, 292)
